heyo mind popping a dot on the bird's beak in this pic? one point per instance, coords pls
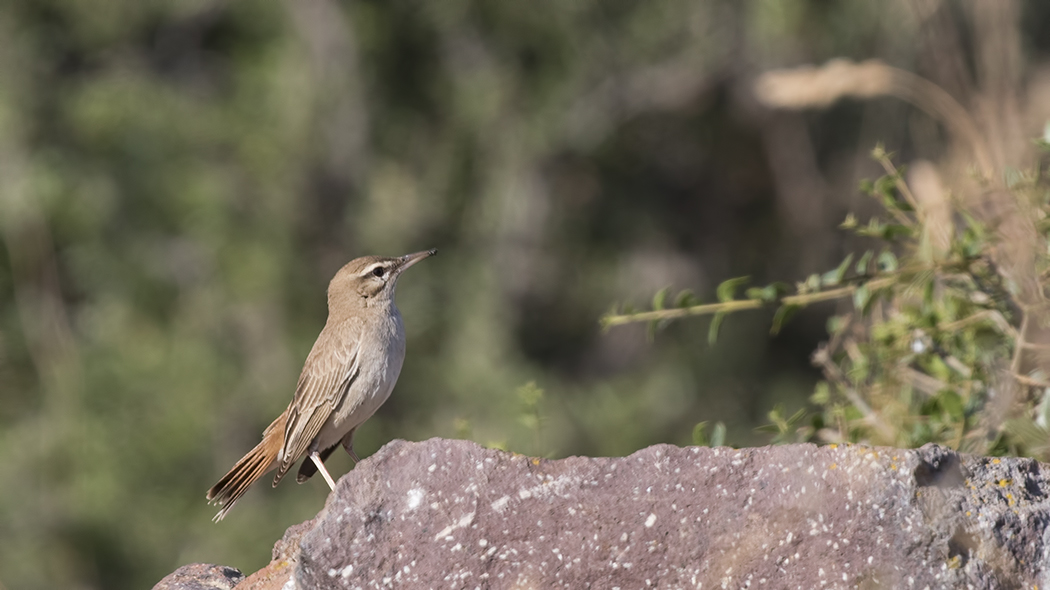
(409, 259)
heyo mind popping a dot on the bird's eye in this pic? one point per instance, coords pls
(378, 271)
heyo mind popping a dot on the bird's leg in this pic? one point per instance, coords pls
(348, 444)
(316, 458)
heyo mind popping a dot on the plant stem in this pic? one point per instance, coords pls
(739, 305)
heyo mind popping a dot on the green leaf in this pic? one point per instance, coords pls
(716, 324)
(936, 367)
(862, 264)
(885, 185)
(836, 323)
(767, 294)
(718, 435)
(872, 230)
(776, 416)
(821, 394)
(834, 277)
(699, 438)
(686, 299)
(727, 290)
(784, 313)
(813, 283)
(861, 297)
(849, 223)
(887, 262)
(659, 298)
(892, 231)
(891, 203)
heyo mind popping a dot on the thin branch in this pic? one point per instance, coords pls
(902, 187)
(1030, 382)
(739, 305)
(989, 314)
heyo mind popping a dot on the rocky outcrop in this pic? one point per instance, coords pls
(452, 514)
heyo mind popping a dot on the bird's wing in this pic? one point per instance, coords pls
(327, 375)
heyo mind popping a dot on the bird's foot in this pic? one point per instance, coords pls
(320, 467)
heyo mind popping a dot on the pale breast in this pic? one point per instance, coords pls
(381, 355)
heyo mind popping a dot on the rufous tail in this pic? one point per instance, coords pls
(249, 469)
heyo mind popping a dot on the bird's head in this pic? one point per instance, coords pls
(371, 279)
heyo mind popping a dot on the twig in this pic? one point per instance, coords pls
(989, 314)
(1029, 381)
(902, 187)
(741, 304)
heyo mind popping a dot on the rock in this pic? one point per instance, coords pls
(201, 576)
(456, 515)
(285, 557)
(452, 514)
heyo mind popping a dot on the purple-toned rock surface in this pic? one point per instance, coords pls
(456, 515)
(201, 576)
(451, 514)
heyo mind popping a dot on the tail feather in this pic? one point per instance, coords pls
(251, 467)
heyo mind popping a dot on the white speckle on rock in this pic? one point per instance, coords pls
(649, 522)
(464, 520)
(415, 498)
(350, 569)
(501, 504)
(432, 467)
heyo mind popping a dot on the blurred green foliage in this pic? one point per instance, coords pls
(179, 181)
(945, 343)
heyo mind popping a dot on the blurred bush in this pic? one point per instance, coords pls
(179, 180)
(947, 338)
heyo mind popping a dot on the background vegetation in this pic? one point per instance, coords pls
(179, 181)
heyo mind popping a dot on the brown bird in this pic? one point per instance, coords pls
(348, 374)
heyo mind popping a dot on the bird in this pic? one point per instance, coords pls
(349, 373)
